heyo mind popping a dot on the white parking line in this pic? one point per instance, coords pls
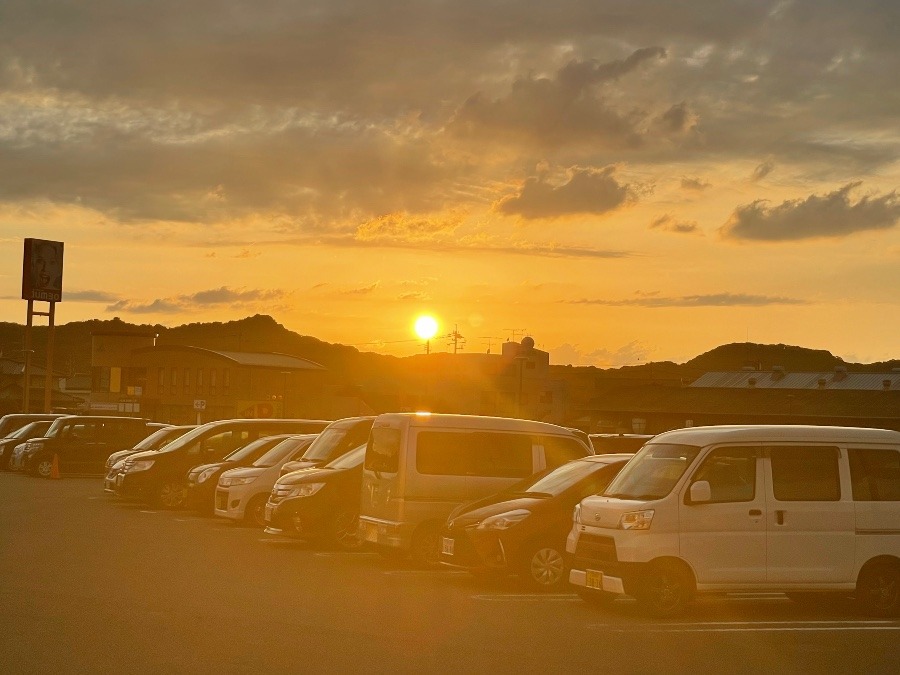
(342, 554)
(528, 597)
(419, 573)
(750, 626)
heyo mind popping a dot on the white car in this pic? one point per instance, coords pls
(242, 493)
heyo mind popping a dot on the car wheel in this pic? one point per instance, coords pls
(344, 530)
(664, 589)
(545, 567)
(255, 512)
(172, 494)
(426, 546)
(878, 589)
(43, 466)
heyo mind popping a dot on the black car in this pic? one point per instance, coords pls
(523, 530)
(20, 435)
(159, 477)
(319, 504)
(202, 479)
(339, 437)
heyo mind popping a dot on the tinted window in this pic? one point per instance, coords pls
(338, 439)
(559, 450)
(349, 460)
(875, 475)
(288, 446)
(459, 453)
(805, 474)
(564, 477)
(731, 473)
(383, 450)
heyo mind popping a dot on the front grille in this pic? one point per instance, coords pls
(593, 550)
(222, 500)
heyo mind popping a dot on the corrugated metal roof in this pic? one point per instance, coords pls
(269, 360)
(774, 379)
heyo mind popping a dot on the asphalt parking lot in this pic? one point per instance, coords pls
(90, 584)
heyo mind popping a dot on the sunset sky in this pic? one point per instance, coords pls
(624, 181)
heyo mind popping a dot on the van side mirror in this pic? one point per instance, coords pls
(700, 492)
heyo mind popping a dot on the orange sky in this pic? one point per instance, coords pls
(625, 182)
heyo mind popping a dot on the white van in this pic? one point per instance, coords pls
(420, 466)
(808, 511)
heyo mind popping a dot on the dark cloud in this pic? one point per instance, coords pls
(712, 300)
(557, 111)
(830, 215)
(669, 223)
(694, 184)
(677, 119)
(591, 191)
(210, 298)
(762, 170)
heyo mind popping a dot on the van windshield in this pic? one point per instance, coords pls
(336, 440)
(653, 472)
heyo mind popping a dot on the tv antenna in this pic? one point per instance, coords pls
(490, 339)
(516, 333)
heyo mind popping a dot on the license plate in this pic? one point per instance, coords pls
(371, 533)
(593, 579)
(447, 545)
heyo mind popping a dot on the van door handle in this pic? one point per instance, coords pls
(779, 517)
(755, 512)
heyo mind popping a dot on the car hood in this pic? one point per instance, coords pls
(307, 475)
(474, 512)
(244, 471)
(297, 464)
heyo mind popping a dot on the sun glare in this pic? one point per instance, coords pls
(426, 327)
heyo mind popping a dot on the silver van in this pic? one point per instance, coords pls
(420, 466)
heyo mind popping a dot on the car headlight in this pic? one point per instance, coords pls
(504, 521)
(205, 474)
(636, 520)
(227, 481)
(306, 489)
(576, 514)
(141, 465)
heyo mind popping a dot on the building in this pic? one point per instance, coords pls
(12, 390)
(179, 384)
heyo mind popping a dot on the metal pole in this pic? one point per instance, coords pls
(48, 375)
(26, 387)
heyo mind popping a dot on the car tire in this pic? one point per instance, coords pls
(42, 466)
(544, 567)
(343, 530)
(172, 494)
(255, 511)
(664, 589)
(426, 546)
(878, 589)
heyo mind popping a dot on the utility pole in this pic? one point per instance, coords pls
(456, 339)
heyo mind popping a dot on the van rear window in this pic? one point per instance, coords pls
(875, 475)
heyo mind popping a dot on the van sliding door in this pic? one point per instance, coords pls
(810, 523)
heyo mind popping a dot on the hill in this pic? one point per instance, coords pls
(261, 333)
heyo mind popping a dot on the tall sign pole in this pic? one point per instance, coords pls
(42, 270)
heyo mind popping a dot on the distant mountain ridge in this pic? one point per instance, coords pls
(262, 333)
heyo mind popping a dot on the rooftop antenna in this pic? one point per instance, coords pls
(490, 339)
(515, 333)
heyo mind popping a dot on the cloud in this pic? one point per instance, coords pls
(569, 354)
(694, 184)
(678, 119)
(90, 296)
(407, 226)
(363, 290)
(761, 171)
(830, 215)
(668, 223)
(592, 191)
(557, 111)
(209, 298)
(712, 300)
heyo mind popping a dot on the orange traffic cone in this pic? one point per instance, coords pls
(54, 467)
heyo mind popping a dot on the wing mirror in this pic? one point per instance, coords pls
(700, 492)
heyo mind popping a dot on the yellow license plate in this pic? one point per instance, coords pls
(593, 579)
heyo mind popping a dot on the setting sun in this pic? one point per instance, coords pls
(426, 327)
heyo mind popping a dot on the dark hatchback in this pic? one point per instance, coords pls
(203, 479)
(523, 529)
(20, 435)
(319, 504)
